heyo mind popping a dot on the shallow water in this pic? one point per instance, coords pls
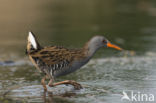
(129, 24)
(103, 80)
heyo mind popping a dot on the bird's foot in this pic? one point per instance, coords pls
(43, 83)
(45, 89)
(76, 85)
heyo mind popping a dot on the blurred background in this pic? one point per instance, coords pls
(131, 24)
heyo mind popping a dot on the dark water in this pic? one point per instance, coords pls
(128, 23)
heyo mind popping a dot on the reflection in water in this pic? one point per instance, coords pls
(47, 97)
(50, 98)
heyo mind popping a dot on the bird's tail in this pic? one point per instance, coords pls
(32, 43)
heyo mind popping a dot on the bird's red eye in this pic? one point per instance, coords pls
(104, 41)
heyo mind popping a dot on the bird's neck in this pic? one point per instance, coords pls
(90, 49)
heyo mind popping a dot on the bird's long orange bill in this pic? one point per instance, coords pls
(113, 46)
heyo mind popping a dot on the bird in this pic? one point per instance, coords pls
(56, 61)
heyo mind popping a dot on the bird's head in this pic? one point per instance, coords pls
(100, 41)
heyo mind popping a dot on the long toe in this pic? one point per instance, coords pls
(76, 85)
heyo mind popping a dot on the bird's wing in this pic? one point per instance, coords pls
(54, 55)
(56, 58)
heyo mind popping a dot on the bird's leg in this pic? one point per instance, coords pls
(50, 84)
(43, 83)
(71, 82)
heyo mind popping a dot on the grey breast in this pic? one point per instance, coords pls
(70, 68)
